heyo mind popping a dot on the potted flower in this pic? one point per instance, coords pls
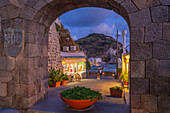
(64, 79)
(80, 97)
(119, 71)
(124, 76)
(57, 81)
(116, 91)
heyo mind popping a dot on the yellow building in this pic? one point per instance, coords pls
(125, 62)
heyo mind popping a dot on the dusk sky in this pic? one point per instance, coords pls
(84, 21)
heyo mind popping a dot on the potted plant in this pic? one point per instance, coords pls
(64, 79)
(116, 91)
(72, 77)
(80, 97)
(54, 77)
(50, 83)
(124, 76)
(119, 71)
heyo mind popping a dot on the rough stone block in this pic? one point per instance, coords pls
(10, 64)
(164, 68)
(166, 33)
(32, 50)
(153, 32)
(139, 86)
(163, 104)
(159, 13)
(39, 4)
(31, 91)
(45, 51)
(149, 102)
(32, 74)
(23, 76)
(3, 89)
(159, 87)
(4, 13)
(152, 68)
(165, 2)
(141, 51)
(129, 6)
(143, 18)
(21, 63)
(5, 76)
(146, 3)
(4, 3)
(135, 101)
(137, 35)
(161, 49)
(22, 90)
(5, 101)
(27, 12)
(138, 69)
(138, 111)
(13, 11)
(3, 62)
(12, 88)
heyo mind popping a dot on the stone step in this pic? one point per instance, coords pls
(54, 105)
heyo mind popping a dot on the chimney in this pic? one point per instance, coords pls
(124, 32)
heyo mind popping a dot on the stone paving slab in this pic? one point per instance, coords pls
(56, 105)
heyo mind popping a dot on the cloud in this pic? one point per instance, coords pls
(85, 17)
(104, 29)
(74, 38)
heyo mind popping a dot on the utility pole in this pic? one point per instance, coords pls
(117, 35)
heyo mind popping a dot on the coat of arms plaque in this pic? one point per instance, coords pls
(13, 41)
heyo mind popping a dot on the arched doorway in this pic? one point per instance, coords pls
(24, 78)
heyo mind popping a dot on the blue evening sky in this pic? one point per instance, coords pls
(84, 21)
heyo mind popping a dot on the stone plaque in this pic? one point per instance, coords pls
(13, 42)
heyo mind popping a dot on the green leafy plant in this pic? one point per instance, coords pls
(98, 73)
(124, 76)
(116, 88)
(50, 82)
(88, 64)
(65, 76)
(55, 75)
(119, 70)
(81, 93)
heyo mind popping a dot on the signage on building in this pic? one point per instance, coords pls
(13, 41)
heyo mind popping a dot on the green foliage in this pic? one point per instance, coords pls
(88, 64)
(116, 88)
(50, 82)
(98, 73)
(55, 75)
(124, 76)
(119, 70)
(64, 76)
(81, 93)
(57, 27)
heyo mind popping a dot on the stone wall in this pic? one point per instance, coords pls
(23, 80)
(54, 57)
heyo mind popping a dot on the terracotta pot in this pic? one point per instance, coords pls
(63, 83)
(56, 84)
(78, 104)
(116, 93)
(125, 83)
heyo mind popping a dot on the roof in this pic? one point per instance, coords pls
(78, 54)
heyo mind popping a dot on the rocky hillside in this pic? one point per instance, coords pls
(96, 45)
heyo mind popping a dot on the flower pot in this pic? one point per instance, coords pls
(63, 83)
(98, 77)
(56, 84)
(116, 93)
(78, 104)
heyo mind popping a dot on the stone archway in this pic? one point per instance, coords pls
(23, 79)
